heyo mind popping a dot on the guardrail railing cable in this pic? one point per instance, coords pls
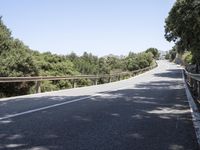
(38, 79)
(193, 81)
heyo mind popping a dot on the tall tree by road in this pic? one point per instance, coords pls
(183, 27)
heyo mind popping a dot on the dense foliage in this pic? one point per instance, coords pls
(183, 27)
(18, 60)
(171, 55)
(154, 51)
(187, 58)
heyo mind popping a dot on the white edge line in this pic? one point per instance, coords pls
(55, 105)
(194, 111)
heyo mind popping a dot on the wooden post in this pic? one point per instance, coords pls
(37, 87)
(198, 92)
(74, 83)
(110, 79)
(96, 81)
(187, 78)
(191, 82)
(119, 78)
(195, 89)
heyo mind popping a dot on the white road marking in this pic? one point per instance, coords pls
(56, 105)
(63, 103)
(43, 108)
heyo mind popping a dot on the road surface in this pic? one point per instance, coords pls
(147, 112)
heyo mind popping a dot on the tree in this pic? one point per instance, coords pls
(103, 67)
(154, 51)
(144, 59)
(172, 54)
(132, 64)
(114, 63)
(15, 61)
(167, 56)
(183, 27)
(5, 36)
(138, 61)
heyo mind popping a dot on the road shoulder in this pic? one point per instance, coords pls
(194, 111)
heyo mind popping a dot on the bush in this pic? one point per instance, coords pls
(187, 58)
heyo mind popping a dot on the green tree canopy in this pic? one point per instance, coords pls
(5, 37)
(154, 51)
(183, 27)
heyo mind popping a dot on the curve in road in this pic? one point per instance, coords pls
(147, 112)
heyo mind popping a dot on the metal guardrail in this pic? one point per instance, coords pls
(38, 80)
(193, 80)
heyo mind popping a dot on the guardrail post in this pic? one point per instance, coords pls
(198, 92)
(130, 75)
(74, 83)
(109, 79)
(119, 77)
(195, 87)
(96, 81)
(191, 82)
(37, 87)
(188, 79)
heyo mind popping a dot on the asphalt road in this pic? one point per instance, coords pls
(147, 112)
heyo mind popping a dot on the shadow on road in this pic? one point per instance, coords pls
(150, 116)
(170, 73)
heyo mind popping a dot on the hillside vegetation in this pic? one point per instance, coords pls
(18, 60)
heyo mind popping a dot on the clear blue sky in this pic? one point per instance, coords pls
(98, 26)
